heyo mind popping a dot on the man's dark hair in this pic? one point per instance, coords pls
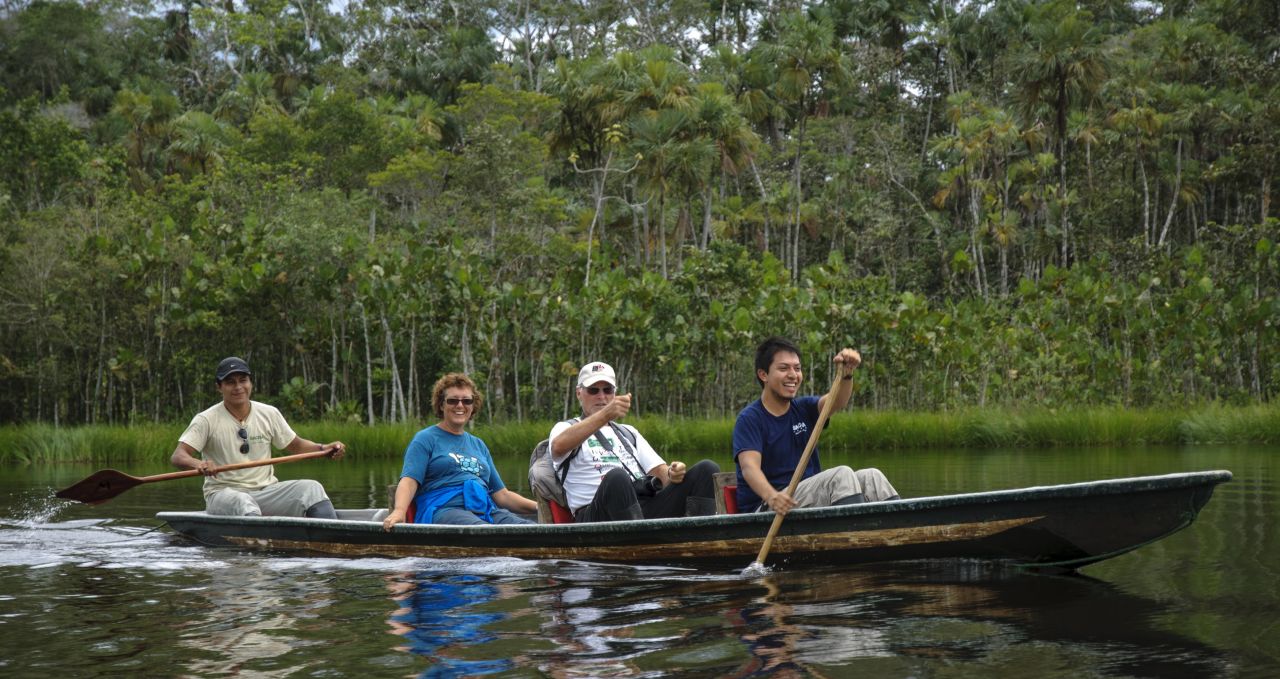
(768, 349)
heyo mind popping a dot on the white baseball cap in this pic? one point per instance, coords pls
(592, 373)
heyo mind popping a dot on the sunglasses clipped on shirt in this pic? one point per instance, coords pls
(244, 435)
(464, 401)
(608, 389)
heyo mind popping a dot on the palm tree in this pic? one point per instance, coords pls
(148, 117)
(808, 58)
(719, 120)
(749, 79)
(200, 139)
(1060, 62)
(427, 116)
(254, 91)
(464, 54)
(590, 126)
(653, 138)
(658, 83)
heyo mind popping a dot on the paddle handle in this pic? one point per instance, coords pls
(827, 407)
(239, 465)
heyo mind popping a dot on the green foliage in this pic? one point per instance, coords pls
(41, 156)
(52, 46)
(1030, 206)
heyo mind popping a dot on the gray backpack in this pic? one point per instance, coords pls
(542, 475)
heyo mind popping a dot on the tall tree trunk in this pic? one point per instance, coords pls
(798, 200)
(333, 365)
(496, 382)
(706, 216)
(764, 200)
(515, 378)
(975, 246)
(598, 179)
(648, 236)
(662, 230)
(413, 367)
(1004, 270)
(102, 360)
(1063, 205)
(398, 409)
(468, 364)
(1265, 193)
(1146, 204)
(368, 365)
(1173, 202)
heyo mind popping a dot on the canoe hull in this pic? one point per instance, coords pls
(1063, 527)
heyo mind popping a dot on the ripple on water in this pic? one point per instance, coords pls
(34, 540)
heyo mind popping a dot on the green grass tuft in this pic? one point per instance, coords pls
(850, 431)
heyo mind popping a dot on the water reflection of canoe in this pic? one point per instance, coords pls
(1065, 526)
(818, 621)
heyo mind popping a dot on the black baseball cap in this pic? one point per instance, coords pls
(232, 364)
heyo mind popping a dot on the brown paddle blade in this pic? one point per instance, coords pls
(108, 483)
(100, 487)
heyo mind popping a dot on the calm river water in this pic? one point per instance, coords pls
(102, 591)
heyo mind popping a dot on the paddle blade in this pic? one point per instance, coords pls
(99, 487)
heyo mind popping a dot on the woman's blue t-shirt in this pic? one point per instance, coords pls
(780, 440)
(437, 458)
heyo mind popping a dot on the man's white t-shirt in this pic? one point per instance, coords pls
(215, 434)
(594, 460)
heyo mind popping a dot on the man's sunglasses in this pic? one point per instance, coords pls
(464, 401)
(608, 389)
(244, 435)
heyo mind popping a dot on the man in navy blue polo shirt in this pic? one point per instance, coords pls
(771, 433)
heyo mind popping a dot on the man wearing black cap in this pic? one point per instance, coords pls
(242, 430)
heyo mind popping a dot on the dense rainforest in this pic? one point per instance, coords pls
(1000, 203)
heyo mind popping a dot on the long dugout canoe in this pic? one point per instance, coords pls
(1058, 527)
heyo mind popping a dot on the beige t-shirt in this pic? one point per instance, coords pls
(214, 434)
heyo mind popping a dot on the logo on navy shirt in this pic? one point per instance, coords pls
(799, 428)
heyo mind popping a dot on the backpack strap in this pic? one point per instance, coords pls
(628, 439)
(628, 442)
(563, 472)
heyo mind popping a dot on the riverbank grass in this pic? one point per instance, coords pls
(851, 431)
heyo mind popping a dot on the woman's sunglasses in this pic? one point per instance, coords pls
(244, 435)
(464, 401)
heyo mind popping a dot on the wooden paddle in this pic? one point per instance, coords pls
(757, 567)
(108, 483)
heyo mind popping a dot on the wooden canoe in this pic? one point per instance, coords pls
(1060, 527)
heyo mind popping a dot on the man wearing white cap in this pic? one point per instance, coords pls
(239, 429)
(613, 473)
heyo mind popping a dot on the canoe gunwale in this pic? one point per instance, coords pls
(1069, 490)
